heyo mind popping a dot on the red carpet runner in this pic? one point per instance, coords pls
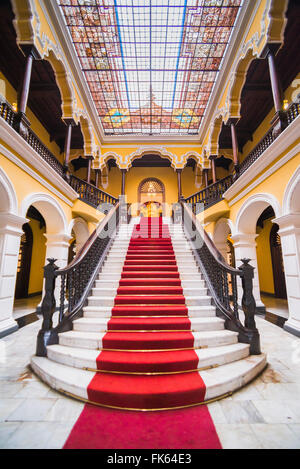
(149, 331)
(99, 428)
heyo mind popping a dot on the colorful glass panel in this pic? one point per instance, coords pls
(150, 64)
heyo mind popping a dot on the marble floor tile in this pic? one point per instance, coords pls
(287, 411)
(240, 412)
(216, 412)
(7, 406)
(37, 435)
(65, 410)
(6, 431)
(237, 436)
(276, 436)
(31, 410)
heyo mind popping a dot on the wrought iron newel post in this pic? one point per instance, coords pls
(45, 335)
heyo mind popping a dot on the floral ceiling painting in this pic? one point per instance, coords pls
(150, 64)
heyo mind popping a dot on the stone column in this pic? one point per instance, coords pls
(69, 123)
(123, 171)
(279, 121)
(97, 173)
(235, 147)
(213, 167)
(10, 236)
(88, 176)
(289, 231)
(245, 248)
(179, 185)
(205, 172)
(22, 123)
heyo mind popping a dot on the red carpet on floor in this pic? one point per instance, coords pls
(99, 428)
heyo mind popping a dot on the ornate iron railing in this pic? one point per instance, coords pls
(222, 280)
(75, 281)
(210, 195)
(90, 193)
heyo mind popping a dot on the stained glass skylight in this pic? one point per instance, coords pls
(150, 64)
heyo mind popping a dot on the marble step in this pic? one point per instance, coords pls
(218, 381)
(100, 324)
(105, 312)
(85, 358)
(93, 340)
(198, 300)
(111, 291)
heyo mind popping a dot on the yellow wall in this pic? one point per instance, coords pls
(264, 260)
(37, 257)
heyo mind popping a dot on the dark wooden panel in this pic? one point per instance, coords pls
(44, 95)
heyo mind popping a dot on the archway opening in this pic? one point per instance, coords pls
(270, 266)
(31, 260)
(151, 197)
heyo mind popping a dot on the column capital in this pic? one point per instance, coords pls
(59, 240)
(270, 48)
(232, 121)
(288, 223)
(244, 239)
(30, 50)
(69, 121)
(11, 224)
(212, 157)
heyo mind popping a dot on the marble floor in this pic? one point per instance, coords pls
(264, 414)
(26, 306)
(276, 306)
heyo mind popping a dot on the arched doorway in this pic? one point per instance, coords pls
(151, 197)
(24, 262)
(277, 263)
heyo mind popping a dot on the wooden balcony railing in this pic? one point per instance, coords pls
(87, 192)
(210, 195)
(214, 192)
(90, 193)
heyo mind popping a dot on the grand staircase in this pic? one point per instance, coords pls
(149, 337)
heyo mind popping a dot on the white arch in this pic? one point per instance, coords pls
(291, 198)
(222, 228)
(80, 228)
(251, 210)
(9, 202)
(52, 212)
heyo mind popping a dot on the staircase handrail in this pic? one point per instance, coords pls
(90, 193)
(76, 281)
(216, 272)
